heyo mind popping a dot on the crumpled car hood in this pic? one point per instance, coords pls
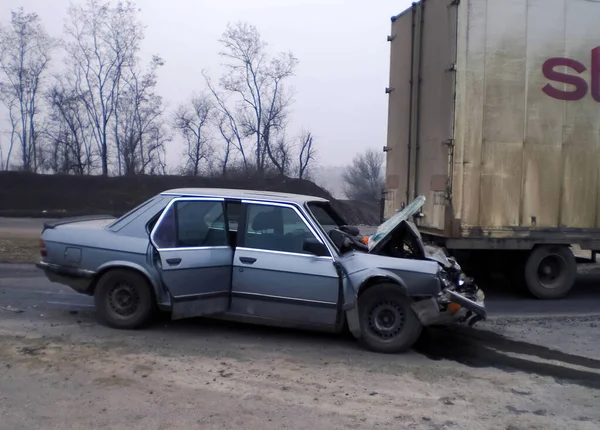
(386, 229)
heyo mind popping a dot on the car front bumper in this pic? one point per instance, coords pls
(435, 310)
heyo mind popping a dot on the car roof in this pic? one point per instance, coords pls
(271, 196)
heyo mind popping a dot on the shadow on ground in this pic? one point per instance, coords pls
(481, 348)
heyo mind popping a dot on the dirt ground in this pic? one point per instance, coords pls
(60, 369)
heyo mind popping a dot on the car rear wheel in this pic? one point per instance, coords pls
(387, 322)
(124, 299)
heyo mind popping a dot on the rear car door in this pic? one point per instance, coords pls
(195, 257)
(273, 277)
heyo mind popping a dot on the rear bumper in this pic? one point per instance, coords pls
(78, 279)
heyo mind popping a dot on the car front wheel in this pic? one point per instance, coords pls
(387, 322)
(123, 299)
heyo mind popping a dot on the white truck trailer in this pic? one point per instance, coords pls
(494, 116)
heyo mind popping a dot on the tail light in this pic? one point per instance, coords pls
(43, 251)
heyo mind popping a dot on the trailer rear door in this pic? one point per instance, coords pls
(421, 111)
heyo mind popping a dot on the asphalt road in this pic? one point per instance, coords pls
(25, 288)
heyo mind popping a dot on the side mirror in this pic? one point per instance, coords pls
(339, 239)
(315, 247)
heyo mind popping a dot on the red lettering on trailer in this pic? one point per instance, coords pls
(580, 85)
(596, 73)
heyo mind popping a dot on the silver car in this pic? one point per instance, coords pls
(261, 257)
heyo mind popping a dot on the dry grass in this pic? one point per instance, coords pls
(19, 250)
(19, 240)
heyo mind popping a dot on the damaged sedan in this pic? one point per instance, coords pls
(261, 257)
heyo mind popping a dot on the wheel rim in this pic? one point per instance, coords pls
(551, 271)
(386, 319)
(123, 300)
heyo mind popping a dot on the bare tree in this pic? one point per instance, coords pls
(155, 162)
(258, 83)
(193, 122)
(138, 118)
(306, 154)
(100, 41)
(280, 153)
(252, 107)
(227, 124)
(12, 105)
(25, 49)
(365, 177)
(68, 132)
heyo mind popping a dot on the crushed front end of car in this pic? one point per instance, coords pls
(460, 299)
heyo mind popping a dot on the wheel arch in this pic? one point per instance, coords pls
(368, 282)
(549, 245)
(126, 265)
(381, 278)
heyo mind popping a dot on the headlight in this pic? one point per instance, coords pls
(444, 278)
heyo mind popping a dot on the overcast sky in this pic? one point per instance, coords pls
(341, 45)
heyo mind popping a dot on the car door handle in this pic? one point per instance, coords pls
(247, 260)
(173, 261)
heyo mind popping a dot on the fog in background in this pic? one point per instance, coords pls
(341, 46)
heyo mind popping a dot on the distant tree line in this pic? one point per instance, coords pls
(101, 113)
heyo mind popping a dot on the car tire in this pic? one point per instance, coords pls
(550, 272)
(124, 299)
(388, 323)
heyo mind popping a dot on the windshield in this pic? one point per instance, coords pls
(384, 229)
(326, 216)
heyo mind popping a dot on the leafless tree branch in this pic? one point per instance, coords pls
(193, 121)
(257, 86)
(101, 42)
(306, 153)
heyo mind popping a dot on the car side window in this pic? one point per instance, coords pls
(191, 224)
(275, 228)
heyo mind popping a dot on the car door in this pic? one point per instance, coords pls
(273, 277)
(195, 258)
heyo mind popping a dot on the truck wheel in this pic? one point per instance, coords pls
(387, 322)
(124, 299)
(550, 272)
